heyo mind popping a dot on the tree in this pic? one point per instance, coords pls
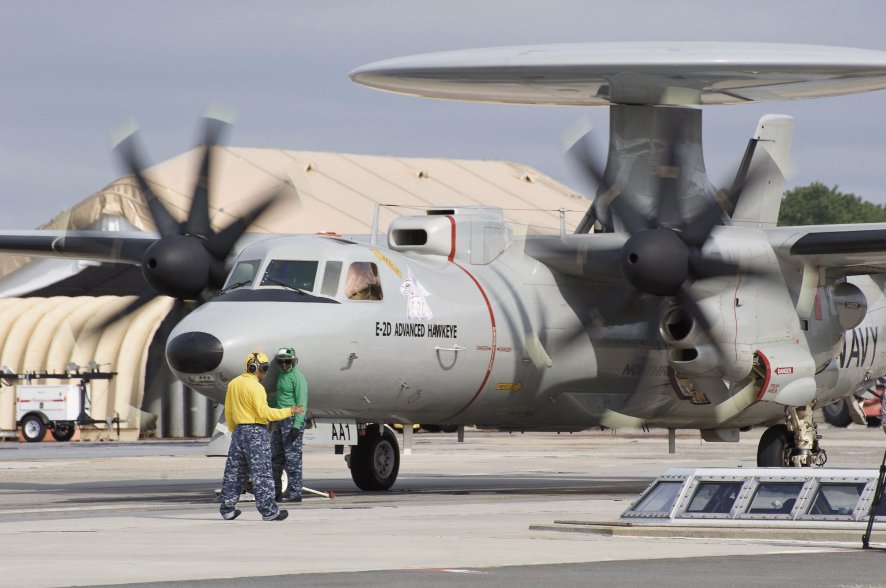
(816, 204)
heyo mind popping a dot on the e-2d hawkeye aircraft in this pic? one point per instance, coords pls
(686, 307)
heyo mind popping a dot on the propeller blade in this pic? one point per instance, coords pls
(736, 404)
(710, 267)
(688, 302)
(198, 215)
(218, 274)
(603, 311)
(707, 267)
(614, 303)
(222, 243)
(633, 221)
(652, 336)
(606, 195)
(581, 154)
(643, 398)
(669, 214)
(130, 154)
(699, 228)
(668, 201)
(598, 260)
(143, 298)
(616, 420)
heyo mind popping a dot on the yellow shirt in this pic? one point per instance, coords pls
(246, 403)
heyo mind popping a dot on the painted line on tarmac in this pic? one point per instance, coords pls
(78, 509)
(446, 570)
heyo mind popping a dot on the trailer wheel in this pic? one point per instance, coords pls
(33, 428)
(63, 430)
(375, 461)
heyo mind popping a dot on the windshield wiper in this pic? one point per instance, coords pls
(285, 285)
(232, 286)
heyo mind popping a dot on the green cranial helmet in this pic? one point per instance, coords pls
(286, 353)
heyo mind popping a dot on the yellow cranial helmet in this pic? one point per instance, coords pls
(257, 361)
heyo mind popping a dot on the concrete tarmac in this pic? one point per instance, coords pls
(86, 514)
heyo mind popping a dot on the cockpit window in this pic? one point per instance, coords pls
(291, 274)
(362, 282)
(331, 276)
(243, 273)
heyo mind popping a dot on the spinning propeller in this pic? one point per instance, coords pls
(187, 262)
(662, 255)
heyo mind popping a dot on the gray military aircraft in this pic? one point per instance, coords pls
(674, 305)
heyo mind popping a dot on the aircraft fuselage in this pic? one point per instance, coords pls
(469, 329)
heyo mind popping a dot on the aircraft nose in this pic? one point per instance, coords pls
(195, 352)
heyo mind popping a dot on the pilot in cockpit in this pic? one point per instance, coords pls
(362, 282)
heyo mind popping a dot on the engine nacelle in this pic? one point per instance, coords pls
(789, 374)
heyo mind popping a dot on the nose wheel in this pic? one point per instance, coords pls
(775, 448)
(793, 444)
(375, 460)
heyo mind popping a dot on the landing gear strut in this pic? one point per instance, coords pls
(793, 444)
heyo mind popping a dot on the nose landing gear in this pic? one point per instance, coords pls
(375, 460)
(793, 444)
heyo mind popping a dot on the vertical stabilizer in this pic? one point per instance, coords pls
(761, 196)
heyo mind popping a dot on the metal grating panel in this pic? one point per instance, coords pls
(754, 495)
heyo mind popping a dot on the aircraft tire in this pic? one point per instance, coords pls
(774, 448)
(63, 430)
(33, 428)
(837, 414)
(375, 461)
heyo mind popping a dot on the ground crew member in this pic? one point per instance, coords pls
(287, 435)
(247, 414)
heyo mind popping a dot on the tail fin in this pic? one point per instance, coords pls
(761, 196)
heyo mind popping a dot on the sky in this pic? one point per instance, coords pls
(73, 72)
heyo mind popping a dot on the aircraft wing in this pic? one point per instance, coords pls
(841, 250)
(116, 247)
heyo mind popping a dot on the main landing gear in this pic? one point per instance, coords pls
(375, 460)
(792, 444)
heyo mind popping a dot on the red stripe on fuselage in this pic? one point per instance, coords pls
(767, 377)
(491, 321)
(452, 240)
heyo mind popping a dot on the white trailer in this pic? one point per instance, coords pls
(52, 407)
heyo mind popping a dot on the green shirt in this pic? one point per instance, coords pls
(292, 389)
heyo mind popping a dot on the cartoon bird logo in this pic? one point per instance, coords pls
(417, 308)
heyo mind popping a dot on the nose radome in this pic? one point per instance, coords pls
(194, 353)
